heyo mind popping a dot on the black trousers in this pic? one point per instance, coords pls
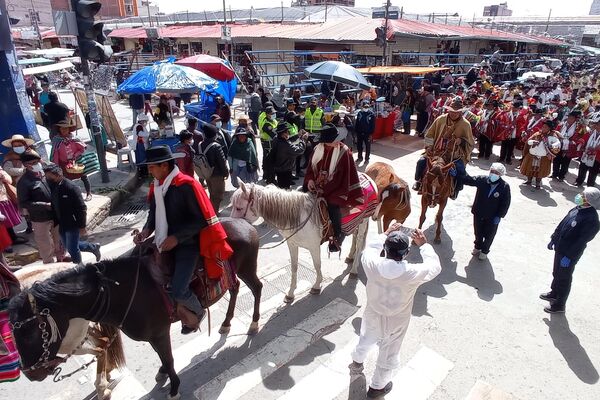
(284, 179)
(485, 147)
(363, 140)
(335, 214)
(485, 231)
(406, 128)
(507, 150)
(591, 177)
(268, 173)
(420, 168)
(422, 119)
(560, 166)
(561, 282)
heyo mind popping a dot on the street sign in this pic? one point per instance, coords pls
(379, 12)
(226, 33)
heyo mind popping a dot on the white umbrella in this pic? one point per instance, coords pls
(339, 72)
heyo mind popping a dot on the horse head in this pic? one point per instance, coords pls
(437, 181)
(395, 198)
(242, 202)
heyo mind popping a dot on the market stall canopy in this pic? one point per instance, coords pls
(214, 67)
(56, 52)
(534, 75)
(339, 72)
(48, 68)
(167, 77)
(34, 61)
(402, 69)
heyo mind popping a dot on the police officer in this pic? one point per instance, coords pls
(267, 127)
(568, 241)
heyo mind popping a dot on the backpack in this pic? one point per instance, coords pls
(204, 169)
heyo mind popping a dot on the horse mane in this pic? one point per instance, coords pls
(284, 208)
(60, 285)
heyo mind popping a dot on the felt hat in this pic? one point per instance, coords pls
(53, 168)
(161, 154)
(17, 138)
(328, 133)
(282, 127)
(242, 132)
(269, 110)
(550, 123)
(456, 105)
(215, 118)
(67, 124)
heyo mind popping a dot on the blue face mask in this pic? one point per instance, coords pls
(579, 200)
(493, 177)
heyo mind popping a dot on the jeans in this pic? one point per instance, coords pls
(561, 282)
(363, 139)
(593, 173)
(485, 231)
(186, 258)
(135, 114)
(74, 246)
(560, 166)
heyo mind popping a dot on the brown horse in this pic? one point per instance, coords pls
(394, 195)
(121, 293)
(436, 188)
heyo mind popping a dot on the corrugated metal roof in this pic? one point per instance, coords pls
(356, 29)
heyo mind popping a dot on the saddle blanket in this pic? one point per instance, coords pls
(370, 201)
(9, 361)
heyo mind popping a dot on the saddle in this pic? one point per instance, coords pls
(207, 290)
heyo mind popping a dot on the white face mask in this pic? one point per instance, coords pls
(219, 124)
(19, 149)
(37, 168)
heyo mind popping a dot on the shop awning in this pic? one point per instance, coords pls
(48, 68)
(400, 70)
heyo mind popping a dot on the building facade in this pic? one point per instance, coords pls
(300, 3)
(110, 8)
(27, 11)
(497, 10)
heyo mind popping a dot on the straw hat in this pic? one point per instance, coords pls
(17, 138)
(67, 124)
(244, 117)
(341, 110)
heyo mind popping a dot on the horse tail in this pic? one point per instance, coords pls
(115, 356)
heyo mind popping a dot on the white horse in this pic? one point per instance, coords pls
(83, 336)
(297, 217)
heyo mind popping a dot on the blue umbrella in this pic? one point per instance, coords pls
(337, 71)
(167, 77)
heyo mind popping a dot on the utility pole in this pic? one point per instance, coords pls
(548, 21)
(149, 15)
(33, 17)
(385, 31)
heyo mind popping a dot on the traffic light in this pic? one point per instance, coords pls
(380, 39)
(91, 35)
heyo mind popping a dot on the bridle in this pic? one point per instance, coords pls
(250, 202)
(102, 299)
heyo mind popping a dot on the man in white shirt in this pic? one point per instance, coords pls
(391, 286)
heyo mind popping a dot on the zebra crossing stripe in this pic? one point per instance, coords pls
(252, 370)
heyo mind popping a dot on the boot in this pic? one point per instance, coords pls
(189, 320)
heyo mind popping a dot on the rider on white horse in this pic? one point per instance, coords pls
(332, 175)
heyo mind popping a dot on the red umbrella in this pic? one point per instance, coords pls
(214, 67)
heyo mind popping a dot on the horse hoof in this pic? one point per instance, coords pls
(224, 330)
(349, 260)
(315, 291)
(288, 299)
(253, 330)
(437, 241)
(176, 397)
(352, 275)
(161, 377)
(106, 395)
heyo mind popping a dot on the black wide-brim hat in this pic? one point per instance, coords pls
(160, 154)
(328, 134)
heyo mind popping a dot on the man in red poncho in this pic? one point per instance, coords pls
(332, 175)
(184, 222)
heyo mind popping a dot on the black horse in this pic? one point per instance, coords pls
(122, 293)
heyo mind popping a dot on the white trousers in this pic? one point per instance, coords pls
(388, 333)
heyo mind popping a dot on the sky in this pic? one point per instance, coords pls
(465, 8)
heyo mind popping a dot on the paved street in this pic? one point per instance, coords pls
(478, 332)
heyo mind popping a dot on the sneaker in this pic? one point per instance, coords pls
(482, 256)
(96, 251)
(356, 368)
(377, 393)
(547, 296)
(476, 252)
(553, 309)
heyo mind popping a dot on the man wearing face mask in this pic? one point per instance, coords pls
(391, 286)
(223, 137)
(568, 241)
(491, 204)
(34, 195)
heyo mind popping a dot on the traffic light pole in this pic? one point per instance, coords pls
(385, 32)
(94, 121)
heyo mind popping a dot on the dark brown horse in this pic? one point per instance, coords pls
(121, 293)
(394, 195)
(436, 188)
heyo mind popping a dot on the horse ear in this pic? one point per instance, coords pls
(243, 186)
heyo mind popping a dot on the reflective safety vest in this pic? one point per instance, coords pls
(293, 129)
(312, 122)
(262, 123)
